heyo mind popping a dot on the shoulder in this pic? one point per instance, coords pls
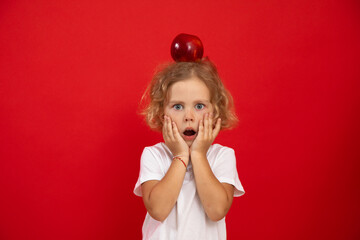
(157, 153)
(222, 161)
(158, 149)
(219, 155)
(217, 149)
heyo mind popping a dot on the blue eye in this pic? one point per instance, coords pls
(199, 106)
(178, 107)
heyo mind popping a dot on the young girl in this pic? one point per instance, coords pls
(188, 184)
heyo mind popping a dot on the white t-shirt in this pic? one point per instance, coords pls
(187, 220)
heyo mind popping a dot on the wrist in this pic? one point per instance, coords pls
(183, 160)
(181, 154)
(184, 157)
(197, 154)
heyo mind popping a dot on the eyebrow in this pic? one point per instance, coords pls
(199, 100)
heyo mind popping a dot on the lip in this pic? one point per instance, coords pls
(189, 138)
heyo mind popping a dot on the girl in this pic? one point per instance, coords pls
(188, 184)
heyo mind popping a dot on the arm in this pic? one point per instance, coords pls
(160, 196)
(215, 197)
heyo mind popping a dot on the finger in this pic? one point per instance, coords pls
(206, 125)
(211, 127)
(217, 128)
(165, 130)
(170, 129)
(201, 128)
(175, 130)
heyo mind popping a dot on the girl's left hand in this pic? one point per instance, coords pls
(206, 135)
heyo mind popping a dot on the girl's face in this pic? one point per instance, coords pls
(188, 101)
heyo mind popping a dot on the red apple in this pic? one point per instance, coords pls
(186, 48)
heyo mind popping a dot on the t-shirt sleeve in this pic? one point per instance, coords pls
(225, 170)
(150, 169)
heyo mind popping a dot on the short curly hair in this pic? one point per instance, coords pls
(156, 93)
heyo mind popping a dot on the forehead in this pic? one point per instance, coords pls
(191, 88)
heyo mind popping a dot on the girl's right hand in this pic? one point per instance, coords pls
(173, 139)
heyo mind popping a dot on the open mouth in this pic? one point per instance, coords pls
(189, 132)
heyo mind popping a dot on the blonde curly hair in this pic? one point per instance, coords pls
(155, 95)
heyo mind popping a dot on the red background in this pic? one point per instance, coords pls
(72, 74)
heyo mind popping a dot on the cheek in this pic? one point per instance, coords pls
(166, 111)
(210, 109)
(169, 112)
(200, 115)
(173, 115)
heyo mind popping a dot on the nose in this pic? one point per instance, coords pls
(189, 116)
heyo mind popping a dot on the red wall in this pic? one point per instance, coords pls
(72, 74)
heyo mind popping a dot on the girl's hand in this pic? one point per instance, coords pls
(173, 139)
(206, 135)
